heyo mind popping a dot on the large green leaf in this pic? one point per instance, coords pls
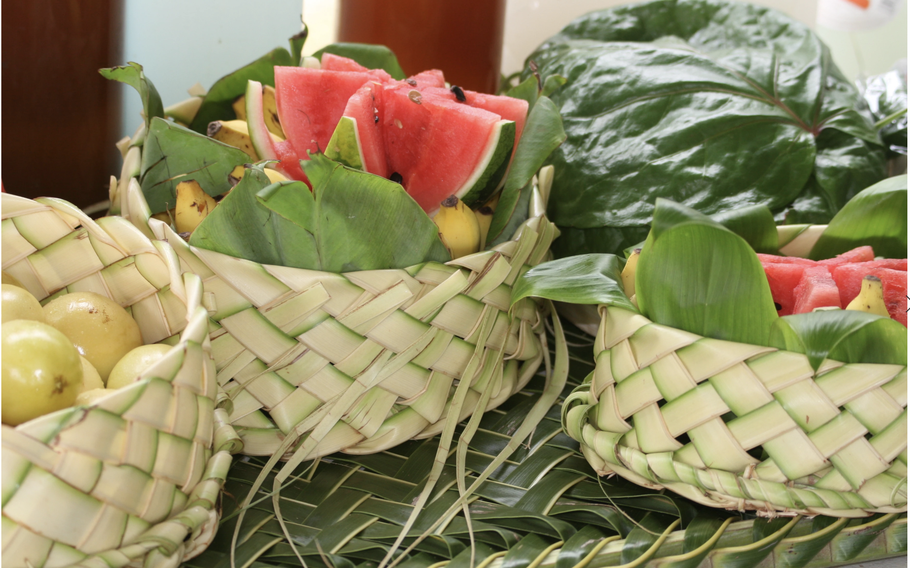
(172, 154)
(369, 55)
(582, 279)
(217, 102)
(876, 216)
(848, 336)
(132, 75)
(543, 133)
(714, 104)
(695, 274)
(350, 221)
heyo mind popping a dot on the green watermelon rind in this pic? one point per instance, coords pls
(344, 146)
(491, 170)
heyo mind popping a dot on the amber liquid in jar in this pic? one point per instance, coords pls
(461, 38)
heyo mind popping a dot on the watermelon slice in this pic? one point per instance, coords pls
(427, 79)
(508, 108)
(894, 288)
(332, 62)
(442, 148)
(767, 259)
(783, 278)
(357, 141)
(311, 102)
(816, 289)
(859, 254)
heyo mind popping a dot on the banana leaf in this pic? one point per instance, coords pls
(132, 74)
(848, 336)
(876, 216)
(544, 507)
(694, 274)
(172, 154)
(334, 228)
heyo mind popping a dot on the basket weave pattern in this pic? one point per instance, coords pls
(362, 361)
(136, 476)
(741, 426)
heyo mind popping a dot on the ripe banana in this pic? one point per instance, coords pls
(458, 227)
(628, 273)
(870, 298)
(233, 133)
(484, 219)
(193, 205)
(269, 110)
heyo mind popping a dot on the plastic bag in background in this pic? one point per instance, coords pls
(856, 15)
(886, 95)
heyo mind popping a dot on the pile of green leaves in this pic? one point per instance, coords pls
(713, 104)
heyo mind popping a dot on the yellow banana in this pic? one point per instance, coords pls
(628, 273)
(269, 110)
(237, 174)
(458, 227)
(870, 298)
(484, 219)
(233, 133)
(193, 205)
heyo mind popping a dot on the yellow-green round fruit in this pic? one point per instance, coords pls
(134, 363)
(41, 371)
(90, 377)
(99, 327)
(18, 304)
(10, 279)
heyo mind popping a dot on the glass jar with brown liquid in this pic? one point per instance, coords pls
(461, 38)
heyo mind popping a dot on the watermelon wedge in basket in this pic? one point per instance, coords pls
(436, 142)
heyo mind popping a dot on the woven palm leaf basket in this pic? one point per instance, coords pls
(135, 477)
(316, 362)
(741, 426)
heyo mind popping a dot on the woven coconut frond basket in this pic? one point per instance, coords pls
(135, 477)
(739, 426)
(317, 362)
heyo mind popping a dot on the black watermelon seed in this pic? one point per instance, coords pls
(459, 94)
(411, 82)
(396, 177)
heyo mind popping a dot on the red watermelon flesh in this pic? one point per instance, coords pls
(894, 288)
(816, 289)
(332, 62)
(777, 259)
(859, 254)
(783, 278)
(508, 108)
(311, 102)
(365, 106)
(425, 143)
(289, 163)
(429, 78)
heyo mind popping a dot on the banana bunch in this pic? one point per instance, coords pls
(871, 298)
(464, 230)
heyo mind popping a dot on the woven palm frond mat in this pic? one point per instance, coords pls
(544, 507)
